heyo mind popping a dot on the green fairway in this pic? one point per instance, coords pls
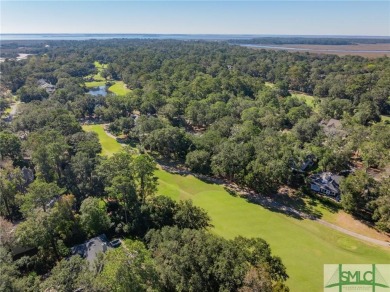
(303, 245)
(99, 65)
(308, 99)
(95, 83)
(119, 88)
(109, 144)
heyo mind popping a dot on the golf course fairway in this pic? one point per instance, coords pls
(303, 245)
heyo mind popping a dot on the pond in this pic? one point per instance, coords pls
(99, 90)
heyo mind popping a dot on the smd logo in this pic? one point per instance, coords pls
(343, 277)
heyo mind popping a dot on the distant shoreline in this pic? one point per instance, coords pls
(102, 36)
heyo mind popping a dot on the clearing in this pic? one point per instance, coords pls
(304, 245)
(119, 88)
(109, 144)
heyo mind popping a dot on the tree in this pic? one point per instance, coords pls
(335, 108)
(39, 231)
(80, 175)
(7, 233)
(357, 190)
(122, 125)
(144, 167)
(130, 268)
(256, 279)
(231, 159)
(47, 231)
(306, 130)
(39, 194)
(94, 218)
(9, 146)
(12, 183)
(366, 112)
(8, 271)
(194, 260)
(158, 212)
(67, 276)
(198, 161)
(169, 142)
(189, 216)
(49, 151)
(123, 188)
(382, 206)
(31, 93)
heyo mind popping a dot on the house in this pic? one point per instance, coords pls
(302, 166)
(333, 127)
(50, 88)
(91, 248)
(326, 183)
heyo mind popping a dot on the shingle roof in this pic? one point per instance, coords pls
(327, 181)
(90, 249)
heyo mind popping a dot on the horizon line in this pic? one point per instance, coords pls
(211, 34)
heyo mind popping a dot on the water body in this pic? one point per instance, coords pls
(122, 36)
(315, 50)
(99, 90)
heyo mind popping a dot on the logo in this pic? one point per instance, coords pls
(343, 277)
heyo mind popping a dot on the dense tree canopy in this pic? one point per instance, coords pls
(246, 116)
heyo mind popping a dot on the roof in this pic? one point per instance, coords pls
(42, 83)
(333, 123)
(327, 181)
(91, 248)
(333, 127)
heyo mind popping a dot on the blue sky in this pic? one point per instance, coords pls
(195, 17)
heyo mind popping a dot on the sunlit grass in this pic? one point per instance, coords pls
(304, 245)
(119, 88)
(91, 84)
(109, 144)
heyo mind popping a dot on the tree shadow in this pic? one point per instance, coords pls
(327, 203)
(175, 167)
(291, 205)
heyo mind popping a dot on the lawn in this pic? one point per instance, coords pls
(119, 88)
(303, 245)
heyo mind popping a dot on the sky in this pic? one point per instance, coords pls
(371, 18)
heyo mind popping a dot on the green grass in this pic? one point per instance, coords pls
(109, 144)
(119, 88)
(304, 246)
(91, 84)
(99, 65)
(308, 99)
(269, 84)
(385, 118)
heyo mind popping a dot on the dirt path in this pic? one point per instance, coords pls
(354, 234)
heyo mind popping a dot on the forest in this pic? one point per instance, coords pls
(220, 110)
